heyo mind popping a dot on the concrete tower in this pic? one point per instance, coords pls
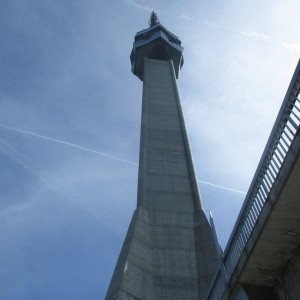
(169, 250)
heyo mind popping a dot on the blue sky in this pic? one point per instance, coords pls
(70, 120)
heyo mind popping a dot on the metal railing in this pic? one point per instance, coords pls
(283, 133)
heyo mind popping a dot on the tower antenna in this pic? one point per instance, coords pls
(153, 19)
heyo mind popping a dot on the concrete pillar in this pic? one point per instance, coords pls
(169, 251)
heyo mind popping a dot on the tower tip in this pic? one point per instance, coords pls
(153, 19)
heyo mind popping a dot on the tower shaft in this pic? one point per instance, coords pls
(166, 175)
(169, 251)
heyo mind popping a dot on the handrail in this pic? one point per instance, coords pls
(285, 129)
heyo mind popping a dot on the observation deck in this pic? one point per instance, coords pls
(156, 42)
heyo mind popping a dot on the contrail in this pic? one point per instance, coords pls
(222, 187)
(67, 143)
(99, 153)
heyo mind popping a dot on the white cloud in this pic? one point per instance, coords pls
(186, 17)
(222, 187)
(138, 6)
(66, 143)
(254, 34)
(291, 46)
(210, 23)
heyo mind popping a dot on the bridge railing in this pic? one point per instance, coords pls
(282, 135)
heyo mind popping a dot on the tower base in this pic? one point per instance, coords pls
(165, 255)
